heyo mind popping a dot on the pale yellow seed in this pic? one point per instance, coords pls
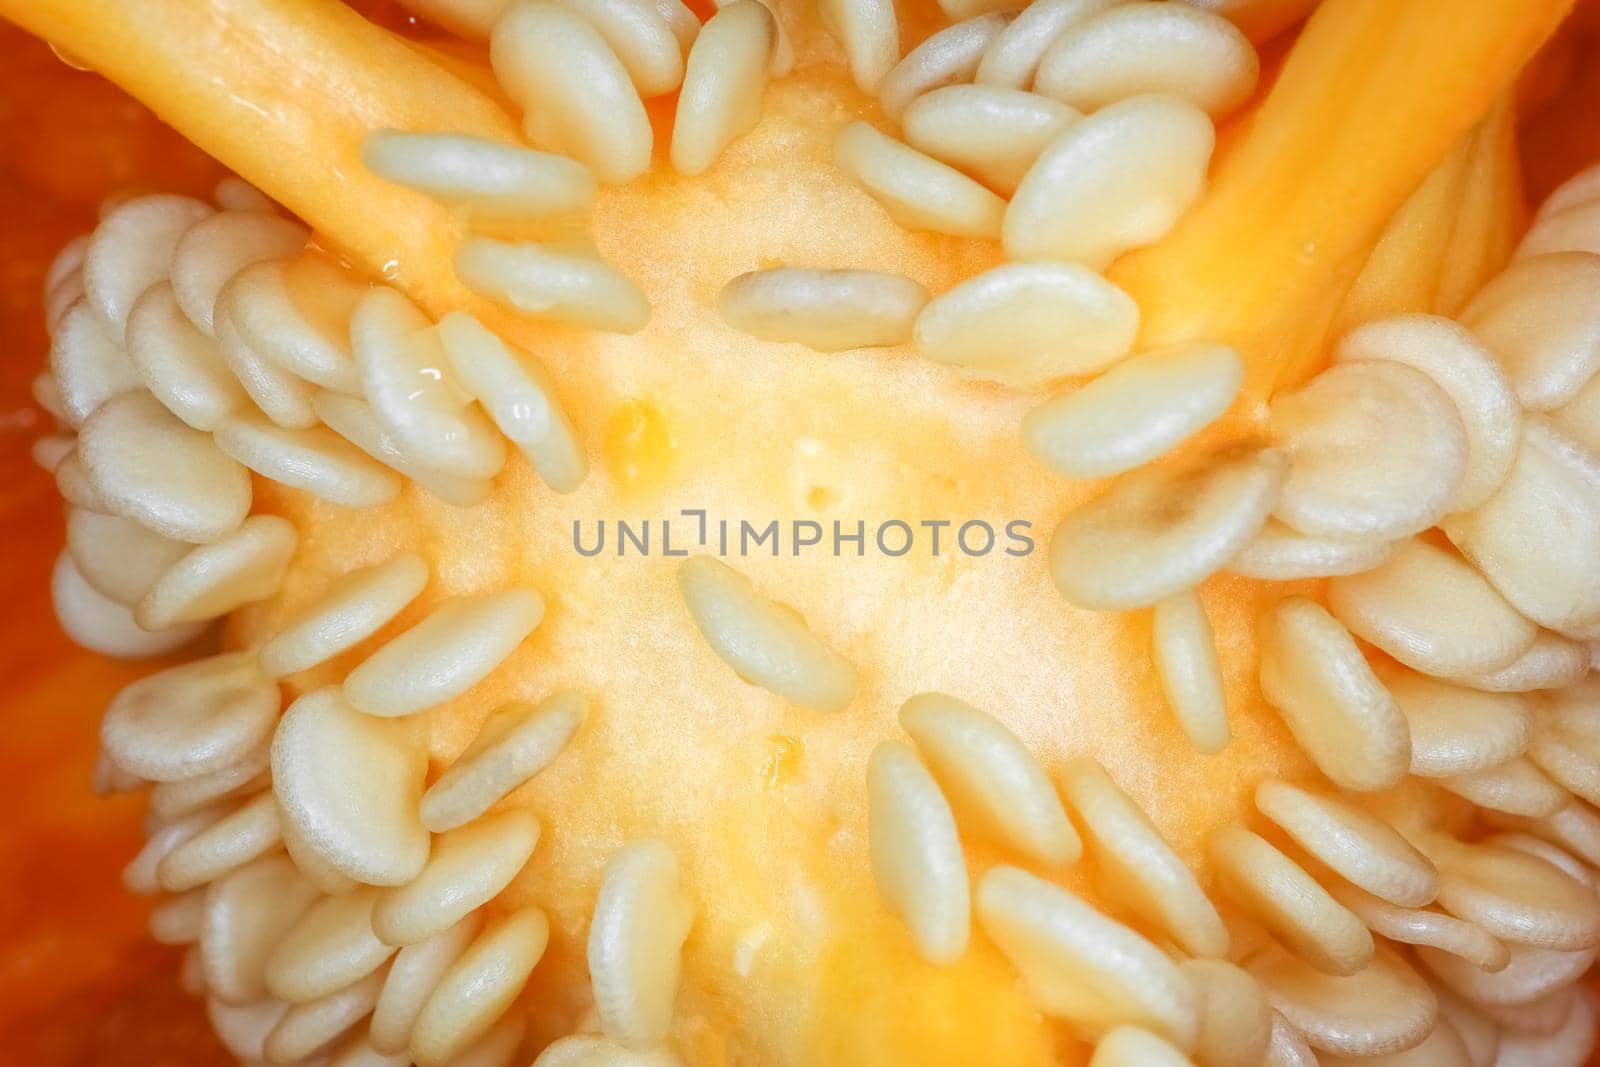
(1129, 1046)
(413, 976)
(1517, 897)
(1338, 711)
(1573, 229)
(243, 776)
(1117, 180)
(131, 250)
(191, 719)
(917, 860)
(352, 609)
(182, 366)
(1455, 730)
(1139, 869)
(641, 919)
(1281, 554)
(1541, 319)
(249, 831)
(990, 133)
(1184, 650)
(88, 363)
(1235, 1021)
(282, 396)
(1515, 787)
(215, 249)
(1566, 740)
(459, 642)
(243, 1028)
(943, 58)
(870, 33)
(575, 92)
(916, 190)
(723, 85)
(1419, 926)
(1081, 967)
(1458, 363)
(1279, 894)
(765, 642)
(1025, 324)
(354, 420)
(516, 391)
(1133, 49)
(295, 315)
(1376, 451)
(1159, 531)
(1550, 662)
(118, 557)
(247, 565)
(1568, 1046)
(331, 946)
(305, 1028)
(247, 914)
(1383, 1008)
(1138, 410)
(515, 743)
(584, 1050)
(573, 287)
(1531, 974)
(466, 868)
(315, 460)
(1012, 61)
(828, 310)
(642, 38)
(1356, 845)
(349, 784)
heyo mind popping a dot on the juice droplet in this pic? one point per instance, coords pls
(639, 445)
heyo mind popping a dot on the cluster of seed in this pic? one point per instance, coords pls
(323, 884)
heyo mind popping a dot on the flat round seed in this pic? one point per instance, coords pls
(248, 911)
(1531, 974)
(316, 867)
(1012, 60)
(917, 862)
(479, 987)
(1279, 894)
(459, 642)
(516, 391)
(1418, 926)
(246, 775)
(498, 1047)
(413, 976)
(1338, 711)
(642, 39)
(828, 310)
(943, 58)
(1541, 319)
(249, 831)
(723, 85)
(1287, 1048)
(515, 743)
(1235, 1021)
(356, 606)
(349, 784)
(140, 875)
(1356, 845)
(63, 281)
(575, 93)
(48, 452)
(1080, 966)
(148, 466)
(331, 946)
(870, 33)
(1455, 730)
(490, 180)
(282, 396)
(1569, 1046)
(176, 921)
(100, 624)
(119, 558)
(765, 642)
(1538, 538)
(191, 719)
(783, 57)
(1432, 611)
(1184, 650)
(1515, 787)
(1573, 229)
(1579, 418)
(1025, 324)
(1517, 897)
(916, 190)
(586, 1050)
(72, 482)
(990, 776)
(211, 580)
(570, 287)
(294, 314)
(316, 460)
(243, 1028)
(1139, 409)
(640, 921)
(414, 393)
(1582, 188)
(1133, 49)
(1117, 180)
(215, 249)
(1480, 1035)
(1160, 531)
(353, 420)
(1129, 1046)
(307, 1028)
(989, 133)
(182, 366)
(1376, 451)
(466, 868)
(1469, 375)
(235, 194)
(357, 1051)
(1140, 870)
(1384, 1008)
(1566, 739)
(1281, 554)
(131, 250)
(88, 363)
